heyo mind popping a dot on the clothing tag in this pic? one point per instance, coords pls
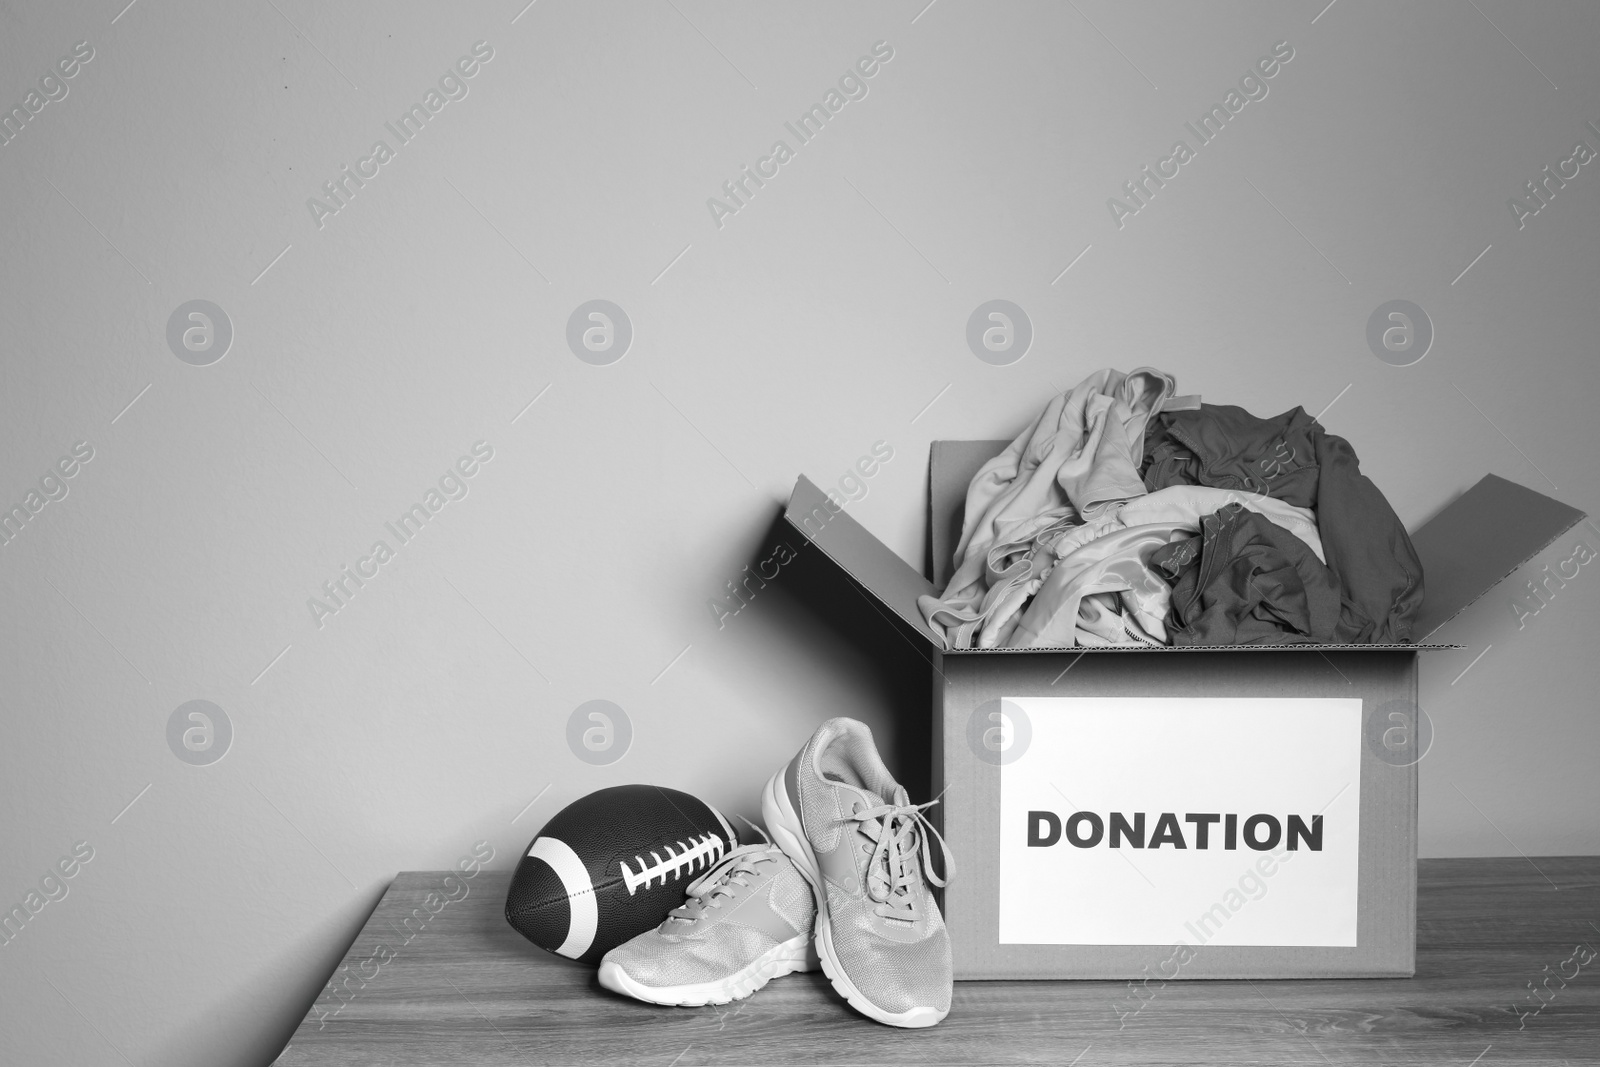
(1181, 403)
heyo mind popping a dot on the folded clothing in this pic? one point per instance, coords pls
(1292, 458)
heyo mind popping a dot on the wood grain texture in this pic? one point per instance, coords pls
(467, 989)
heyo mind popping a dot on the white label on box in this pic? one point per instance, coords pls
(1180, 820)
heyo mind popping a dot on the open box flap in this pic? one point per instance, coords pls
(1478, 540)
(874, 565)
(951, 468)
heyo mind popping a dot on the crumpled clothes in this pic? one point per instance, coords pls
(1290, 457)
(1122, 601)
(1115, 563)
(1082, 455)
(1186, 505)
(1247, 581)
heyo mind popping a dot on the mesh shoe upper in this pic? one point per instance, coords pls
(749, 903)
(873, 847)
(896, 975)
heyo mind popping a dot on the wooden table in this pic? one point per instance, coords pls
(467, 989)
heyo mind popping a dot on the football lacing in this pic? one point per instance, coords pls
(702, 851)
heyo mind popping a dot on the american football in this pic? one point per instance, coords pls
(610, 865)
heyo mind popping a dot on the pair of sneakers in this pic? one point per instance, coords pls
(844, 881)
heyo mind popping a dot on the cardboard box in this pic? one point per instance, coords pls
(1181, 812)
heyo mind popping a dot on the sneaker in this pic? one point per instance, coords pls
(864, 847)
(746, 921)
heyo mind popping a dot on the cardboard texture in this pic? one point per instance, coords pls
(888, 578)
(1465, 550)
(951, 467)
(1388, 811)
(1478, 540)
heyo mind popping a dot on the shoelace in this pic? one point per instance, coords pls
(716, 885)
(900, 832)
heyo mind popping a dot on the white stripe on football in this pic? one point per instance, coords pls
(580, 893)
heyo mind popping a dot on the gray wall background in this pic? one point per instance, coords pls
(828, 314)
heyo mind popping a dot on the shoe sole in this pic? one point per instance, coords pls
(776, 962)
(783, 823)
